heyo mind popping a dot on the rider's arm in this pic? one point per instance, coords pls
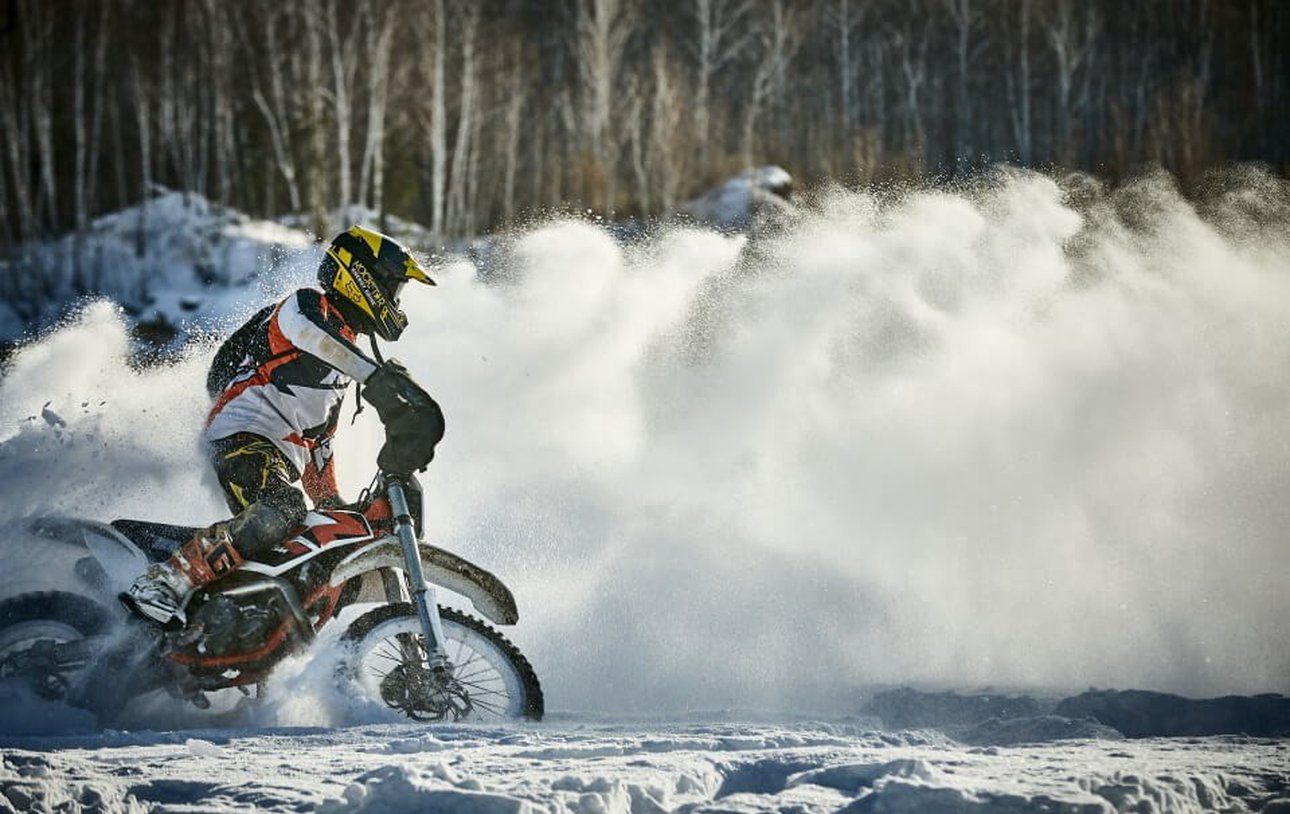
(303, 323)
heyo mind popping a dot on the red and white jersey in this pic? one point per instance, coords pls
(289, 366)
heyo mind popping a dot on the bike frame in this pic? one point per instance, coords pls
(423, 594)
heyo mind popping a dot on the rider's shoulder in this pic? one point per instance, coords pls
(306, 300)
(307, 293)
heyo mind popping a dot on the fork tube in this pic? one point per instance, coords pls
(422, 593)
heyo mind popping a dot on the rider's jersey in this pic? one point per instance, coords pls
(289, 366)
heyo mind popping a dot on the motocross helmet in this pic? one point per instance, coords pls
(363, 272)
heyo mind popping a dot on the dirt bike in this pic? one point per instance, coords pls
(429, 662)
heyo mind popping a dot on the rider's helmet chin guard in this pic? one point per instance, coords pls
(364, 271)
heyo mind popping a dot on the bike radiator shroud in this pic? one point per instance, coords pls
(239, 626)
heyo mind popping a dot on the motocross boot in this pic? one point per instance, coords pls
(161, 592)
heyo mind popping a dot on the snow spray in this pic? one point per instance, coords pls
(1027, 434)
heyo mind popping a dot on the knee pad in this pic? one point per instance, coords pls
(267, 522)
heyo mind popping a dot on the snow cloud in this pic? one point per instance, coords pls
(1024, 434)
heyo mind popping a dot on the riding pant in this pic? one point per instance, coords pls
(258, 483)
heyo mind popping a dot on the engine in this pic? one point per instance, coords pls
(230, 627)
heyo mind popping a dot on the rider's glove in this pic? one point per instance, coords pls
(413, 421)
(392, 392)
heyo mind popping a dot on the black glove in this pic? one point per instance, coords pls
(413, 421)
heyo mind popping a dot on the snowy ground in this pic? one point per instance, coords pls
(629, 767)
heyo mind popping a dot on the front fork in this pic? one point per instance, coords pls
(423, 596)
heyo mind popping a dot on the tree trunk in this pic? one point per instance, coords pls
(515, 100)
(466, 25)
(377, 49)
(438, 122)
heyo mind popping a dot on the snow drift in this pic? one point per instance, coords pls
(1021, 434)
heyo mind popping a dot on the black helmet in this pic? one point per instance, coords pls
(366, 270)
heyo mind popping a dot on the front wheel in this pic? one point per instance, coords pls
(489, 680)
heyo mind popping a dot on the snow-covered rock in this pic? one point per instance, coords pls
(755, 199)
(176, 262)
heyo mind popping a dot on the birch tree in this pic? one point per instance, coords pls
(269, 78)
(846, 18)
(721, 35)
(514, 127)
(466, 19)
(344, 64)
(434, 21)
(1018, 83)
(602, 28)
(377, 45)
(667, 156)
(1071, 44)
(964, 15)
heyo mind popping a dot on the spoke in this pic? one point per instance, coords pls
(469, 661)
(476, 675)
(496, 710)
(391, 654)
(486, 690)
(477, 669)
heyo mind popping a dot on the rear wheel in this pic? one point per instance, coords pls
(489, 680)
(34, 629)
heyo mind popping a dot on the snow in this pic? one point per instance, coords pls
(576, 766)
(953, 439)
(203, 266)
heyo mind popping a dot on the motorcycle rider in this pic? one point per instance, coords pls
(278, 383)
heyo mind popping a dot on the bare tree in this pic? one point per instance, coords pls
(1255, 37)
(314, 90)
(1071, 44)
(515, 102)
(913, 72)
(602, 29)
(86, 133)
(141, 97)
(667, 150)
(781, 34)
(634, 124)
(846, 17)
(763, 77)
(466, 18)
(222, 45)
(435, 20)
(1018, 83)
(722, 35)
(965, 16)
(377, 45)
(15, 127)
(37, 26)
(269, 92)
(344, 64)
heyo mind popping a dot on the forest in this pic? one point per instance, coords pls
(469, 115)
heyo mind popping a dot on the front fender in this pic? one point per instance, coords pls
(485, 591)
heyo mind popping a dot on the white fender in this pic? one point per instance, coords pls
(485, 591)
